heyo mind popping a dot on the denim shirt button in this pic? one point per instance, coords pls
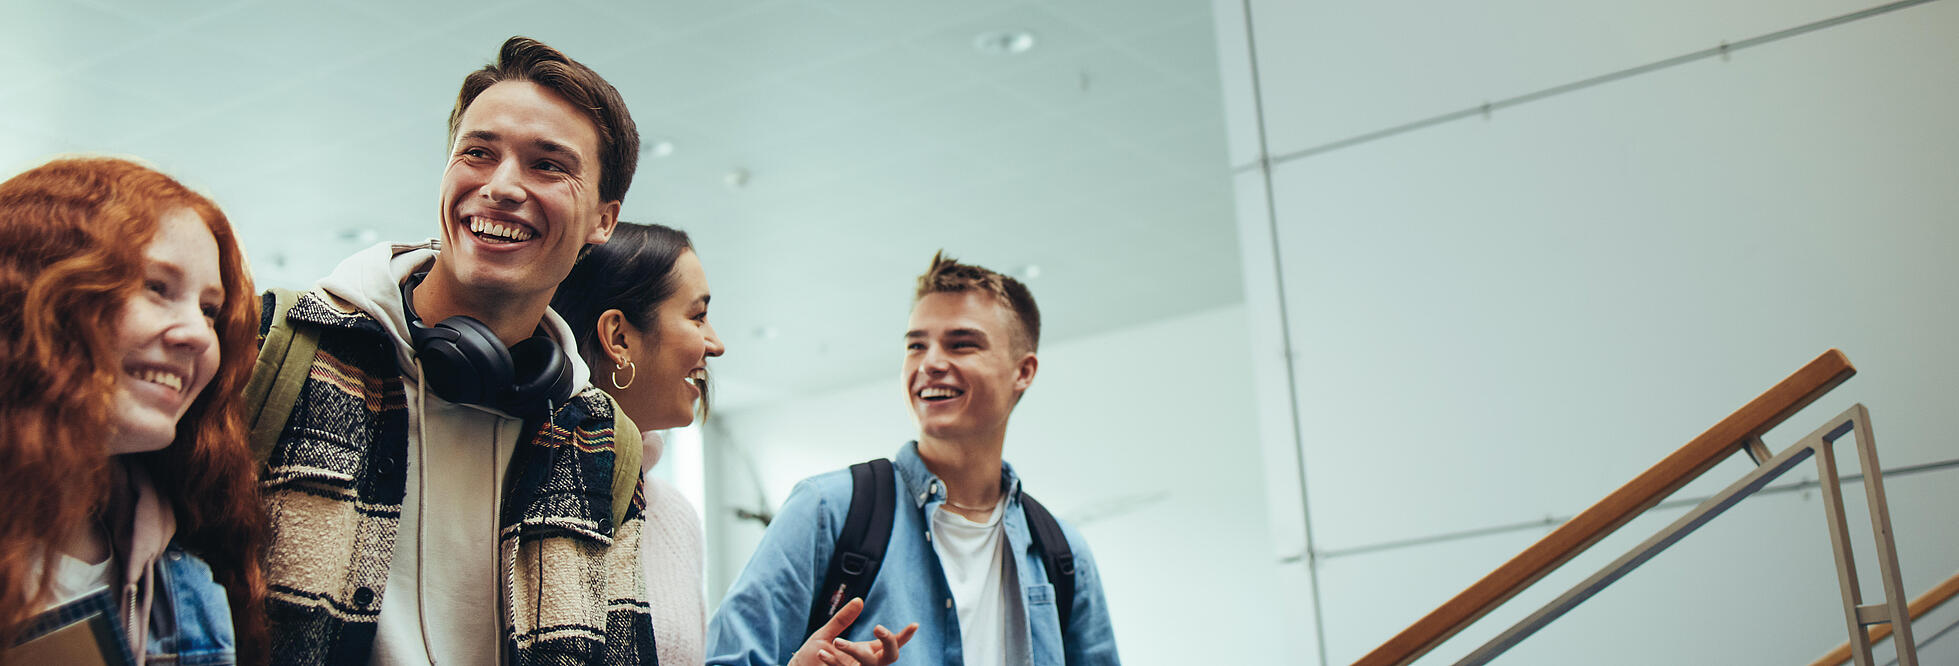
(923, 496)
(935, 487)
(948, 602)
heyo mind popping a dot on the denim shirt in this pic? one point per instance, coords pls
(766, 611)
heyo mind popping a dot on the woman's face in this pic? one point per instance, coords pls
(166, 336)
(671, 358)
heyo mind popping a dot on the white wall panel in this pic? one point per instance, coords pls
(1334, 70)
(1583, 284)
(1235, 80)
(1278, 441)
(1498, 321)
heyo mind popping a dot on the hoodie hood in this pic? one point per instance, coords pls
(146, 527)
(371, 279)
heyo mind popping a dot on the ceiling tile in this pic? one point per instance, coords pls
(1122, 18)
(90, 114)
(160, 16)
(587, 31)
(663, 78)
(1084, 77)
(765, 47)
(296, 38)
(22, 149)
(1140, 119)
(154, 72)
(1054, 40)
(903, 19)
(427, 18)
(46, 39)
(675, 17)
(1171, 49)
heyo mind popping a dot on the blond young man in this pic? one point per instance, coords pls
(961, 560)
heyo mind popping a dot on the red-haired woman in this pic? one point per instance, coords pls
(127, 325)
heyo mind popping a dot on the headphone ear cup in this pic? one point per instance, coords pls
(541, 371)
(464, 362)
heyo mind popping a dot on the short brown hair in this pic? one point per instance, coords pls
(526, 59)
(947, 275)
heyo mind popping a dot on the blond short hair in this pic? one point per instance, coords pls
(948, 276)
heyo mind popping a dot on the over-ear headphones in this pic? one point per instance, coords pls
(463, 361)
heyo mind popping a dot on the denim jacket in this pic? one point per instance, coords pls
(766, 611)
(189, 623)
(190, 619)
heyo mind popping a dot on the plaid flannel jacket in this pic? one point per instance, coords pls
(333, 489)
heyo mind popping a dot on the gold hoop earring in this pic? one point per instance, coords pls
(629, 378)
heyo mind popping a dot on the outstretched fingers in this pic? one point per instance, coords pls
(891, 642)
(881, 653)
(842, 620)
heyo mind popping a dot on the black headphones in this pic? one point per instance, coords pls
(463, 361)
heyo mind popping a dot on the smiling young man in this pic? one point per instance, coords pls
(444, 489)
(964, 558)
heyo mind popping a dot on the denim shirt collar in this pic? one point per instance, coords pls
(925, 489)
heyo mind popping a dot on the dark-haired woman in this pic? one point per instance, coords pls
(126, 337)
(638, 305)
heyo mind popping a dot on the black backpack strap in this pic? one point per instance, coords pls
(1058, 558)
(860, 548)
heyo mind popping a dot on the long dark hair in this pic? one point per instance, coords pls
(631, 273)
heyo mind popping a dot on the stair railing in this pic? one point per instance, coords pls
(1740, 432)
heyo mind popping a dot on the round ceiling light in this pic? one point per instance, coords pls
(1004, 42)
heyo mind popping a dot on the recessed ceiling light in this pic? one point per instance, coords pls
(657, 148)
(1030, 271)
(1004, 42)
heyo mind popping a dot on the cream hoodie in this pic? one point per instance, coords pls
(442, 603)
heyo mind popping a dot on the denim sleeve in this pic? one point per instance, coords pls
(1091, 639)
(761, 621)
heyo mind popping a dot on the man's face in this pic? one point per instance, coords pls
(962, 373)
(520, 195)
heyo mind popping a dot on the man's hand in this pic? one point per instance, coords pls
(823, 647)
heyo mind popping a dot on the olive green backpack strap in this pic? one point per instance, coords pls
(285, 358)
(627, 448)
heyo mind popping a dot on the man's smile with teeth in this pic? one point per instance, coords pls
(938, 393)
(165, 378)
(499, 232)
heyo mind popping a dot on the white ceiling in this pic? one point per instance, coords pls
(873, 131)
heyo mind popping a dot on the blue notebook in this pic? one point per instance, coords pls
(83, 632)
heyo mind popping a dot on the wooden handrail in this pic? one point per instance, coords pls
(1924, 603)
(1649, 488)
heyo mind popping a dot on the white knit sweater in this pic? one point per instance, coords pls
(675, 580)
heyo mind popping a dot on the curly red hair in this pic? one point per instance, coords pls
(72, 239)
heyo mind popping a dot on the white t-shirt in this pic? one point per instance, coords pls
(74, 578)
(984, 588)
